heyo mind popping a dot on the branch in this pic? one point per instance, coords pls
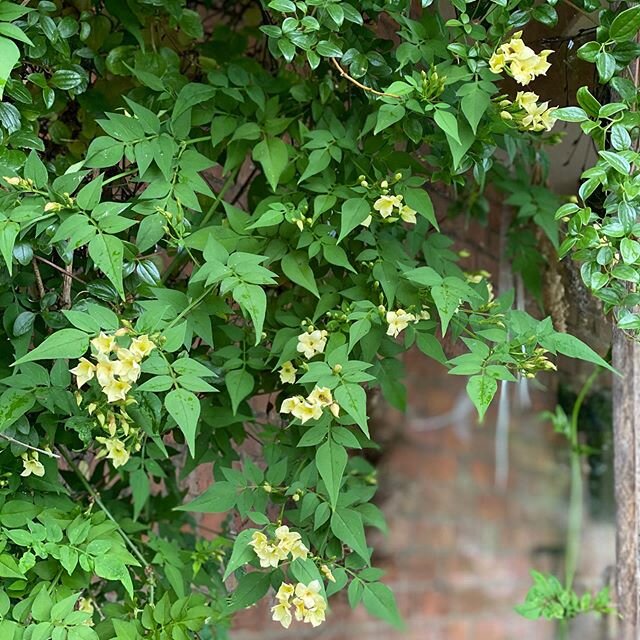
(66, 284)
(4, 436)
(36, 271)
(364, 87)
(53, 265)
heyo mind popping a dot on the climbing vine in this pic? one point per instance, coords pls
(217, 239)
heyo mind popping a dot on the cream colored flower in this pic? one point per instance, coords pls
(14, 181)
(321, 396)
(130, 365)
(116, 451)
(104, 344)
(107, 369)
(308, 593)
(288, 373)
(281, 613)
(285, 592)
(31, 465)
(367, 221)
(86, 606)
(116, 390)
(142, 346)
(334, 407)
(306, 411)
(309, 344)
(526, 99)
(290, 404)
(497, 62)
(398, 321)
(408, 214)
(298, 550)
(385, 204)
(83, 371)
(53, 206)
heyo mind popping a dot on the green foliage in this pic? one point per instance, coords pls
(223, 228)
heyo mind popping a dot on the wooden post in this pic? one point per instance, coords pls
(626, 431)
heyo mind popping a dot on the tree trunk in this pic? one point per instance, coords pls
(626, 427)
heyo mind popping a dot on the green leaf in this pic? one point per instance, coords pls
(481, 390)
(104, 152)
(9, 231)
(66, 343)
(14, 403)
(570, 114)
(630, 250)
(107, 253)
(331, 461)
(379, 601)
(9, 567)
(347, 526)
(448, 123)
(239, 385)
(273, 155)
(9, 56)
(606, 66)
(250, 588)
(388, 114)
(573, 347)
(242, 553)
(35, 170)
(219, 497)
(184, 407)
(296, 267)
(352, 398)
(474, 104)
(615, 160)
(253, 300)
(625, 25)
(354, 211)
(419, 200)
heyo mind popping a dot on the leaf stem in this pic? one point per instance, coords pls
(364, 87)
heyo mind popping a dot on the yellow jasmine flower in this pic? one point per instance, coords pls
(83, 371)
(285, 592)
(327, 573)
(130, 370)
(309, 344)
(53, 206)
(31, 465)
(290, 404)
(104, 343)
(14, 181)
(306, 410)
(142, 346)
(281, 614)
(321, 396)
(288, 373)
(398, 321)
(299, 609)
(541, 65)
(385, 204)
(316, 616)
(116, 451)
(408, 214)
(116, 390)
(497, 62)
(106, 369)
(334, 407)
(86, 605)
(308, 593)
(367, 221)
(526, 99)
(505, 115)
(258, 539)
(521, 73)
(298, 550)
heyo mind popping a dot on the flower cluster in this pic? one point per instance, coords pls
(521, 62)
(308, 605)
(399, 320)
(310, 408)
(527, 113)
(114, 376)
(312, 342)
(272, 552)
(31, 464)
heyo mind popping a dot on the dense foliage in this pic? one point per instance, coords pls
(217, 239)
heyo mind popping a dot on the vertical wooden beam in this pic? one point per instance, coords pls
(626, 431)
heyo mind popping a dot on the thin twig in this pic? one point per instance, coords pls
(36, 271)
(66, 284)
(4, 436)
(101, 505)
(53, 265)
(364, 87)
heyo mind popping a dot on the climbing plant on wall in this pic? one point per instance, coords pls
(216, 239)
